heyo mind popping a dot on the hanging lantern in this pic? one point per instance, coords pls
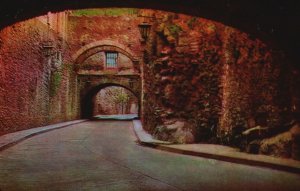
(48, 48)
(48, 45)
(144, 29)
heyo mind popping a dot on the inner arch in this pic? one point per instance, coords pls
(115, 101)
(88, 99)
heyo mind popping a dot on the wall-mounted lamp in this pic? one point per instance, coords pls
(144, 30)
(48, 48)
(48, 44)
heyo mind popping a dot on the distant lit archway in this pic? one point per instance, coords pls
(115, 100)
(89, 103)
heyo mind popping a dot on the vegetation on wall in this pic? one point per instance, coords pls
(184, 82)
(192, 22)
(174, 30)
(214, 80)
(251, 89)
(105, 12)
(121, 99)
(56, 78)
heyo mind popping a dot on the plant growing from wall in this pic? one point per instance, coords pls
(105, 12)
(56, 78)
(174, 30)
(192, 22)
(121, 99)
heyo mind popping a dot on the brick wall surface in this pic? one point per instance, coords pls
(205, 81)
(25, 84)
(35, 92)
(202, 81)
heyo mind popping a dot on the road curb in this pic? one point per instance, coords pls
(11, 139)
(281, 167)
(144, 137)
(238, 160)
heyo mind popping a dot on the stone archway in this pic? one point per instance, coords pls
(88, 93)
(115, 100)
(90, 84)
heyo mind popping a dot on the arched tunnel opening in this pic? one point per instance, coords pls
(110, 101)
(115, 101)
(196, 80)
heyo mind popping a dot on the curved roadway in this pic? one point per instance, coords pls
(104, 156)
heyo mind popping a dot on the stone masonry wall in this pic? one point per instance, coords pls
(182, 79)
(83, 30)
(202, 81)
(121, 31)
(38, 90)
(30, 83)
(96, 64)
(208, 82)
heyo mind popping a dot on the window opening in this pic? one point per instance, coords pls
(111, 59)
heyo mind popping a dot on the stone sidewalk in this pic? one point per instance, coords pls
(125, 117)
(219, 152)
(14, 138)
